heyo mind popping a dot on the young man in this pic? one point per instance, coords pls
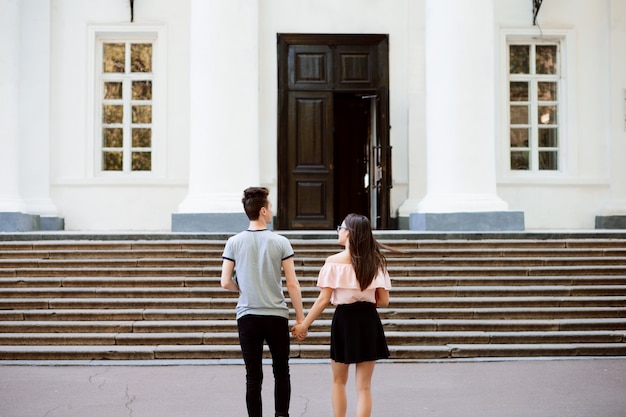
(262, 313)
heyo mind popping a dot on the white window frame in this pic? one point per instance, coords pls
(97, 35)
(567, 132)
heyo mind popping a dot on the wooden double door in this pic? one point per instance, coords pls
(334, 156)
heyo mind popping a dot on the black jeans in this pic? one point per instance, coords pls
(253, 330)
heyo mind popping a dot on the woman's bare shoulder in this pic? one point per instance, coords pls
(339, 258)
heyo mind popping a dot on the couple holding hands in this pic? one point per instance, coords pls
(354, 280)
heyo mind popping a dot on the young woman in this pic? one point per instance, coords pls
(356, 281)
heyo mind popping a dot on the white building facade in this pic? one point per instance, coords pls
(154, 115)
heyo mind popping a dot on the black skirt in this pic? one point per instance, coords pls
(357, 334)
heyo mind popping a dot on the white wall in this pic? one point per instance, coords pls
(86, 200)
(570, 199)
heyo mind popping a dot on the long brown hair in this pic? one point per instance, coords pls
(365, 254)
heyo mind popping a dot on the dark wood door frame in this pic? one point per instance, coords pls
(310, 69)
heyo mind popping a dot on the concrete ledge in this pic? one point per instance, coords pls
(52, 223)
(465, 222)
(611, 222)
(320, 235)
(23, 222)
(209, 222)
(19, 222)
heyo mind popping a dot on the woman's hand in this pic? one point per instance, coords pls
(299, 331)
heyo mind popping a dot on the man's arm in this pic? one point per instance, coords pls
(226, 281)
(293, 287)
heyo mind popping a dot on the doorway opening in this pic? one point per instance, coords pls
(352, 130)
(334, 156)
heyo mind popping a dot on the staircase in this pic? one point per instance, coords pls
(157, 297)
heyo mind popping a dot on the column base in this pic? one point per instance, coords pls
(50, 223)
(489, 221)
(24, 222)
(18, 222)
(611, 222)
(209, 222)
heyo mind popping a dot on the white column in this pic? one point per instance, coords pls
(10, 200)
(460, 124)
(416, 113)
(613, 214)
(460, 120)
(34, 107)
(224, 108)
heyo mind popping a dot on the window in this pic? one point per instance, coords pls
(127, 120)
(126, 85)
(534, 106)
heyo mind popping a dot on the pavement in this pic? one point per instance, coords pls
(587, 387)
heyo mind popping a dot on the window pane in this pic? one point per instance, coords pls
(112, 113)
(519, 57)
(142, 138)
(519, 161)
(142, 161)
(546, 62)
(519, 115)
(546, 91)
(142, 90)
(112, 161)
(548, 138)
(113, 138)
(142, 114)
(113, 57)
(141, 57)
(112, 90)
(548, 161)
(519, 91)
(547, 115)
(519, 138)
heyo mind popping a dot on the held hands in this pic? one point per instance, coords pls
(299, 331)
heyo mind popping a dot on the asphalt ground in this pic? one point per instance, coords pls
(589, 387)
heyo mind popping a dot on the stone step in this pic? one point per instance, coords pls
(385, 313)
(422, 271)
(137, 314)
(113, 282)
(230, 303)
(78, 245)
(418, 240)
(308, 292)
(434, 281)
(483, 325)
(405, 325)
(459, 351)
(303, 253)
(148, 297)
(393, 263)
(394, 338)
(220, 352)
(310, 281)
(115, 253)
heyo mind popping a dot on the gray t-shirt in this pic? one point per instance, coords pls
(258, 256)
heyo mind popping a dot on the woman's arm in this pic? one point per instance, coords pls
(382, 297)
(300, 330)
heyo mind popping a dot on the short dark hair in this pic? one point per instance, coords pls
(254, 199)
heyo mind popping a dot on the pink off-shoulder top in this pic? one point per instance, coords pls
(342, 279)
